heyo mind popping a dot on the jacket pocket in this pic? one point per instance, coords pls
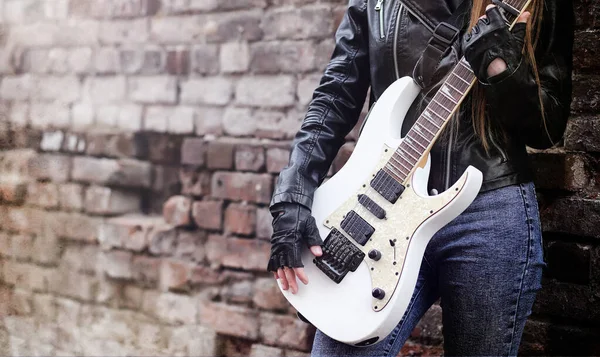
(380, 11)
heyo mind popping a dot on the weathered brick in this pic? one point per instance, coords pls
(585, 94)
(268, 296)
(306, 22)
(165, 149)
(176, 29)
(429, 328)
(585, 52)
(107, 201)
(116, 8)
(175, 275)
(70, 196)
(124, 172)
(306, 88)
(105, 90)
(48, 116)
(235, 57)
(230, 320)
(190, 245)
(238, 292)
(249, 158)
(45, 307)
(70, 89)
(173, 308)
(42, 194)
(259, 350)
(568, 262)
(220, 154)
(193, 151)
(130, 232)
(52, 140)
(240, 219)
(583, 135)
(177, 211)
(566, 300)
(107, 60)
(71, 284)
(179, 120)
(560, 170)
(153, 90)
(194, 181)
(207, 90)
(82, 259)
(205, 59)
(239, 25)
(264, 227)
(242, 186)
(178, 62)
(145, 270)
(248, 254)
(143, 60)
(19, 246)
(124, 31)
(16, 87)
(208, 214)
(268, 91)
(563, 216)
(277, 159)
(194, 340)
(46, 249)
(48, 166)
(277, 125)
(117, 264)
(82, 115)
(286, 331)
(13, 192)
(162, 240)
(287, 57)
(115, 145)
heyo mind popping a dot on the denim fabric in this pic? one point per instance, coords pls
(486, 266)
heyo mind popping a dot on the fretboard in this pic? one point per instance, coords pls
(427, 128)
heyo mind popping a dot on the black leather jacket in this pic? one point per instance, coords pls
(373, 54)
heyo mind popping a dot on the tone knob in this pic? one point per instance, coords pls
(378, 293)
(375, 254)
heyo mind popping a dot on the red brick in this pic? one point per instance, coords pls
(242, 186)
(286, 331)
(236, 347)
(116, 145)
(177, 211)
(190, 245)
(193, 151)
(240, 219)
(429, 328)
(72, 284)
(249, 158)
(264, 224)
(81, 258)
(21, 246)
(13, 192)
(46, 249)
(240, 292)
(178, 62)
(208, 214)
(230, 320)
(70, 197)
(220, 155)
(130, 232)
(248, 254)
(163, 148)
(162, 240)
(26, 275)
(205, 275)
(108, 201)
(560, 170)
(123, 172)
(268, 296)
(413, 349)
(277, 159)
(175, 275)
(145, 270)
(117, 264)
(48, 166)
(194, 181)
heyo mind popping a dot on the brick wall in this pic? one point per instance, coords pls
(139, 143)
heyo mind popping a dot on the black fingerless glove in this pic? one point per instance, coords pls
(293, 229)
(491, 38)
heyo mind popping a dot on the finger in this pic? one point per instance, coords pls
(291, 279)
(275, 275)
(301, 274)
(489, 7)
(316, 250)
(524, 17)
(284, 282)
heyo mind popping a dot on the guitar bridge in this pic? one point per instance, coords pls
(340, 256)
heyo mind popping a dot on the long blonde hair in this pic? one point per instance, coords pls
(482, 128)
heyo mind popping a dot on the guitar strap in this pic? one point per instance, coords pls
(443, 37)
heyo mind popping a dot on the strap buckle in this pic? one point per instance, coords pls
(443, 36)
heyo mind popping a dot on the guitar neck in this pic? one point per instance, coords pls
(420, 138)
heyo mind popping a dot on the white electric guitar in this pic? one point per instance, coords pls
(376, 217)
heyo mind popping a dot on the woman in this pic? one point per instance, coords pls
(486, 265)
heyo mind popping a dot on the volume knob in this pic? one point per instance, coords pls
(375, 254)
(378, 293)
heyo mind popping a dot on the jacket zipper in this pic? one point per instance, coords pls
(396, 30)
(504, 158)
(379, 9)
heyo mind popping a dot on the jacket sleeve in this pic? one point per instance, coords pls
(332, 113)
(515, 98)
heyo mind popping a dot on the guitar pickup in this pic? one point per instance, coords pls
(357, 228)
(387, 186)
(371, 206)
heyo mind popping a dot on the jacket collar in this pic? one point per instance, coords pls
(432, 11)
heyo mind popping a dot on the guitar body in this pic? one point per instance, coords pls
(347, 311)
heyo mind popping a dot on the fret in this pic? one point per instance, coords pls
(391, 172)
(399, 169)
(441, 104)
(435, 106)
(417, 153)
(420, 126)
(448, 97)
(408, 153)
(462, 80)
(451, 86)
(401, 163)
(416, 141)
(428, 112)
(420, 134)
(431, 127)
(412, 147)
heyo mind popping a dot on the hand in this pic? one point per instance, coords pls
(491, 48)
(293, 227)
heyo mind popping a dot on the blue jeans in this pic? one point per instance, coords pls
(486, 266)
